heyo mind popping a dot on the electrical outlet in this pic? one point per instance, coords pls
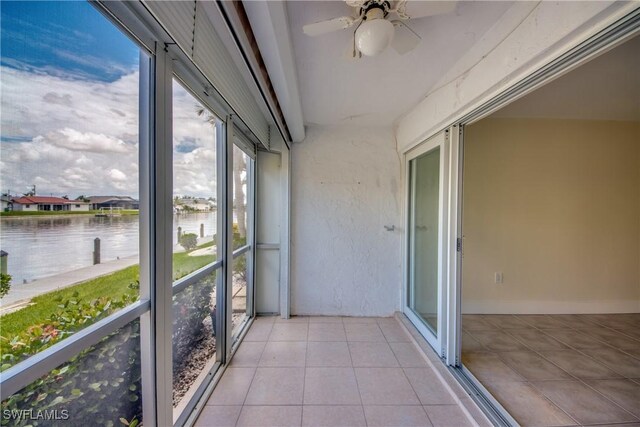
(499, 279)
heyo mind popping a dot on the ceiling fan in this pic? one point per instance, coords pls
(380, 23)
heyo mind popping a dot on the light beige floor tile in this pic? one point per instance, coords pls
(532, 366)
(248, 354)
(579, 365)
(380, 386)
(333, 416)
(284, 354)
(218, 416)
(233, 387)
(325, 319)
(276, 386)
(396, 416)
(366, 332)
(372, 354)
(408, 355)
(270, 416)
(264, 319)
(331, 386)
(617, 361)
(536, 339)
(327, 332)
(258, 332)
(506, 321)
(359, 320)
(527, 405)
(428, 387)
(447, 415)
(583, 404)
(393, 332)
(543, 321)
(613, 338)
(498, 341)
(575, 339)
(296, 331)
(476, 322)
(488, 367)
(293, 319)
(624, 392)
(328, 354)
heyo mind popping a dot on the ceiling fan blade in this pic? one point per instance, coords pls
(421, 9)
(324, 27)
(404, 39)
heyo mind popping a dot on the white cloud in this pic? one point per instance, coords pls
(77, 136)
(117, 175)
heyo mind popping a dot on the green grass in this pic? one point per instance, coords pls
(56, 213)
(114, 285)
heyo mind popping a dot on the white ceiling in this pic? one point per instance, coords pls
(378, 90)
(606, 88)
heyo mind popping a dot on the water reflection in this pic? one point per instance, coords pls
(44, 246)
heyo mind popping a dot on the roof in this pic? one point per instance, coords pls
(104, 199)
(45, 200)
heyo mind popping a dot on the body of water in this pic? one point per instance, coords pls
(43, 246)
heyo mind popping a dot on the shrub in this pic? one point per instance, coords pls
(190, 309)
(5, 284)
(189, 241)
(101, 384)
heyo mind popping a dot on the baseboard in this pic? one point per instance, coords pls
(550, 307)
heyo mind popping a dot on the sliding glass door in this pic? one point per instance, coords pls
(425, 224)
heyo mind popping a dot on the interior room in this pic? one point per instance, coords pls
(551, 246)
(319, 213)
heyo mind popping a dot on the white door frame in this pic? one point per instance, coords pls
(438, 340)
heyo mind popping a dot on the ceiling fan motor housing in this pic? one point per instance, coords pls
(375, 9)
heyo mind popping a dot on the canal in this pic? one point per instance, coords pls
(43, 246)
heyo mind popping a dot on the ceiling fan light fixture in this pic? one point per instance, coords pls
(374, 36)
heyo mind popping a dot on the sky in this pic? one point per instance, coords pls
(69, 107)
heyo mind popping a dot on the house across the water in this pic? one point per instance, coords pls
(108, 202)
(48, 203)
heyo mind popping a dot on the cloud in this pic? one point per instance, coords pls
(117, 175)
(74, 140)
(75, 136)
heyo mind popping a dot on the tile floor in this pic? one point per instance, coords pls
(558, 369)
(331, 371)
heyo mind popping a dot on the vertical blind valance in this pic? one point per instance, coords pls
(192, 30)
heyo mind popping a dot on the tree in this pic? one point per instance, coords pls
(239, 166)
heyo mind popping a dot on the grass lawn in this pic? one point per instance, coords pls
(114, 285)
(57, 213)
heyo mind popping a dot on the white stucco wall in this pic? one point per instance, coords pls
(346, 186)
(526, 38)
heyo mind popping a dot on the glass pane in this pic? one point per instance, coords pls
(195, 244)
(239, 292)
(425, 174)
(69, 153)
(100, 386)
(240, 193)
(194, 183)
(194, 336)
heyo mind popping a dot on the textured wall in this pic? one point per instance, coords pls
(346, 186)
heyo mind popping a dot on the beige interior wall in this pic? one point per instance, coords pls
(555, 206)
